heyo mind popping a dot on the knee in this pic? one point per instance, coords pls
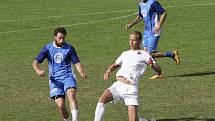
(71, 95)
(102, 99)
(106, 97)
(153, 55)
(60, 104)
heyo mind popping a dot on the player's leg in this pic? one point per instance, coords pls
(58, 95)
(173, 54)
(70, 86)
(176, 57)
(60, 103)
(152, 46)
(131, 100)
(145, 42)
(100, 108)
(157, 70)
(106, 97)
(109, 95)
(152, 49)
(132, 113)
(71, 94)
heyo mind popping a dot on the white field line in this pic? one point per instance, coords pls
(68, 25)
(200, 4)
(83, 14)
(91, 22)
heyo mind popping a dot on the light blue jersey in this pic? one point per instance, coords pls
(61, 74)
(150, 12)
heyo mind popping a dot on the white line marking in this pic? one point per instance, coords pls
(109, 19)
(68, 25)
(200, 4)
(82, 14)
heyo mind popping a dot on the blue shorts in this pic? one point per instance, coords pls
(150, 43)
(60, 86)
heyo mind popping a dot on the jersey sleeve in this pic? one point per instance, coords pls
(42, 55)
(73, 55)
(156, 7)
(139, 13)
(119, 60)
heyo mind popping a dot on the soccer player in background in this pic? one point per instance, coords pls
(62, 80)
(132, 64)
(154, 16)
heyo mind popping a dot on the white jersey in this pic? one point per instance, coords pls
(133, 64)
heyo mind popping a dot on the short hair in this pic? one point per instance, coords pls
(60, 30)
(137, 34)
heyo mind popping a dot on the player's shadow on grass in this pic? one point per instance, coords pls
(195, 74)
(187, 119)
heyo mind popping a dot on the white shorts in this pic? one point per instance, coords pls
(124, 92)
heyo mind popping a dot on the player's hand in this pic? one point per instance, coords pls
(150, 62)
(156, 29)
(128, 26)
(107, 75)
(83, 75)
(41, 73)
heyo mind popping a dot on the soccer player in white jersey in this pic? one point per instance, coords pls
(133, 64)
(153, 15)
(62, 80)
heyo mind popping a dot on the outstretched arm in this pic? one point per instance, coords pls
(37, 69)
(110, 69)
(134, 22)
(81, 71)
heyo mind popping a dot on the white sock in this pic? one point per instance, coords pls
(68, 119)
(100, 109)
(74, 115)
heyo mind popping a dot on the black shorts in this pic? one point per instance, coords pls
(58, 96)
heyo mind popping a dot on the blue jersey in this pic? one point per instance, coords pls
(150, 12)
(59, 60)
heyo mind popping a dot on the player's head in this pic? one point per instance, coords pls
(135, 40)
(59, 36)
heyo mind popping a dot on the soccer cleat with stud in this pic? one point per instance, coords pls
(156, 77)
(176, 57)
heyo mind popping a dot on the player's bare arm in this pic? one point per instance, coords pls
(162, 20)
(110, 69)
(134, 22)
(37, 69)
(80, 69)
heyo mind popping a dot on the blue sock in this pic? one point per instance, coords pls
(169, 54)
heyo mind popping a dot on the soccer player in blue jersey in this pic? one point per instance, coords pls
(62, 80)
(154, 16)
